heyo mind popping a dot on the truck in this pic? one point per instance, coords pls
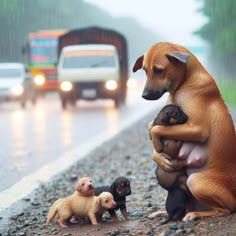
(41, 58)
(100, 70)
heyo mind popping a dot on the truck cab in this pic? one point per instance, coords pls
(89, 71)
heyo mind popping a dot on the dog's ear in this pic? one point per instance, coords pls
(113, 188)
(78, 188)
(138, 64)
(177, 56)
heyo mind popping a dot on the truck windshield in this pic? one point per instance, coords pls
(88, 61)
(10, 73)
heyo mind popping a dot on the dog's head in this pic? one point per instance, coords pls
(106, 200)
(121, 187)
(85, 187)
(165, 67)
(170, 115)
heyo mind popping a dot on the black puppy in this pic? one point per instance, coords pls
(120, 188)
(173, 182)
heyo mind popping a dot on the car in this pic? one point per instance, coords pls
(16, 83)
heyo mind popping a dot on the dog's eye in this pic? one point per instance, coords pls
(157, 71)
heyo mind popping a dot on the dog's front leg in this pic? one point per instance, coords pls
(185, 132)
(166, 163)
(93, 218)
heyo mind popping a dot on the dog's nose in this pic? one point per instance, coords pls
(152, 94)
(90, 186)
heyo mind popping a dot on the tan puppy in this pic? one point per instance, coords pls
(81, 203)
(172, 68)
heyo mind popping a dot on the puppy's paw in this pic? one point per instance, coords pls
(156, 214)
(190, 216)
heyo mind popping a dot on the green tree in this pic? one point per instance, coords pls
(20, 17)
(220, 32)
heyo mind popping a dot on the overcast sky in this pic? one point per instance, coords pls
(175, 20)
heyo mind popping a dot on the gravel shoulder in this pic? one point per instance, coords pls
(128, 154)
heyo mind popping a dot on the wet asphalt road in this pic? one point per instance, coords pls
(38, 135)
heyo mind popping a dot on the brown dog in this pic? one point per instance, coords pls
(174, 69)
(82, 203)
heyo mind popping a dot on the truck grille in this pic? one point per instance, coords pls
(51, 76)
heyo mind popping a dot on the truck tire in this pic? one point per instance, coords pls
(117, 102)
(63, 103)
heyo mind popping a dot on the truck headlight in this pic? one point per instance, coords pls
(39, 80)
(17, 90)
(66, 86)
(111, 85)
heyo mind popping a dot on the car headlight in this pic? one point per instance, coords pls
(17, 90)
(66, 86)
(39, 80)
(111, 85)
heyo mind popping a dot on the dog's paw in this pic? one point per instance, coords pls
(156, 214)
(190, 216)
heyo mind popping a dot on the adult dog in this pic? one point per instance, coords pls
(174, 69)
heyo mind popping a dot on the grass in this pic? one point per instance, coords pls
(228, 91)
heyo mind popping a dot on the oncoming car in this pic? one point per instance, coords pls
(89, 72)
(16, 84)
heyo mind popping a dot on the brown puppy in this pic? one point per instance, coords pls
(173, 182)
(81, 203)
(174, 69)
(169, 115)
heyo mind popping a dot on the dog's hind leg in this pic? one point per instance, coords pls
(208, 190)
(63, 217)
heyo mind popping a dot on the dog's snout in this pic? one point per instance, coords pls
(149, 94)
(113, 204)
(90, 186)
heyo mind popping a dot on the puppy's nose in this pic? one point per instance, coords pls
(90, 186)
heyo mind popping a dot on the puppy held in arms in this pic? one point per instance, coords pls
(174, 69)
(174, 182)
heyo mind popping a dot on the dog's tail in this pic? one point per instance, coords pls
(52, 212)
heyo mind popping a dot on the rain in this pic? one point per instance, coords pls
(45, 129)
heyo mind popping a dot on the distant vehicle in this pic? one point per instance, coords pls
(95, 67)
(16, 84)
(42, 58)
(88, 72)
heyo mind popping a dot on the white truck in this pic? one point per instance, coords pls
(93, 64)
(88, 71)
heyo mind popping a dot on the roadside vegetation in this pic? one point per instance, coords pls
(228, 91)
(220, 33)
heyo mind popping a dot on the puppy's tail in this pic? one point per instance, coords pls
(52, 212)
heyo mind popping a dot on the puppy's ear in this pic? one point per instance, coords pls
(177, 56)
(78, 188)
(138, 64)
(113, 188)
